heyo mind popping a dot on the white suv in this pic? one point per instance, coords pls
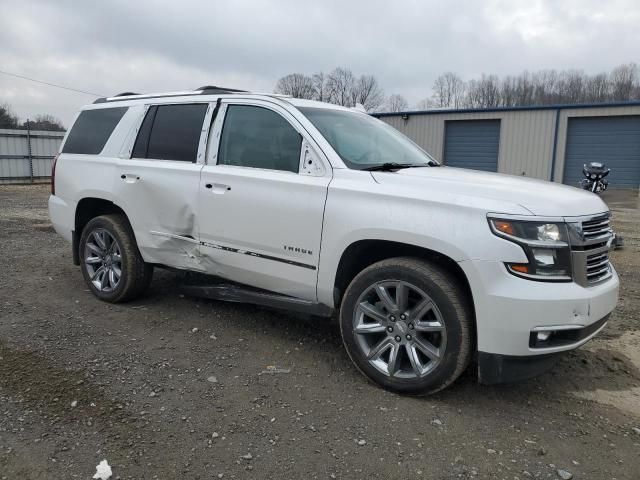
(315, 207)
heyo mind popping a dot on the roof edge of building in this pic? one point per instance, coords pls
(563, 106)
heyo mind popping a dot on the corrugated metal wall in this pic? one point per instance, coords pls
(565, 114)
(26, 156)
(526, 137)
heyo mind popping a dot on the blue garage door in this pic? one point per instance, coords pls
(615, 141)
(472, 144)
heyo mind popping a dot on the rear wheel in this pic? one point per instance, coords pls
(407, 325)
(110, 260)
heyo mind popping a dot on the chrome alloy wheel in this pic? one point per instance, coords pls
(399, 329)
(103, 260)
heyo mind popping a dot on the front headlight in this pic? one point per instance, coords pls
(545, 244)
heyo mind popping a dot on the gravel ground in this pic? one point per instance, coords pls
(173, 387)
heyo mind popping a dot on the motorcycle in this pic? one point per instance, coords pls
(595, 173)
(595, 181)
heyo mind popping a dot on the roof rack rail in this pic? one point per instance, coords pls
(206, 90)
(212, 89)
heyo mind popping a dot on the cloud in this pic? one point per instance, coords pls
(110, 47)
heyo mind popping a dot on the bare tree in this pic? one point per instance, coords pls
(45, 122)
(448, 90)
(7, 118)
(396, 103)
(571, 86)
(545, 88)
(484, 92)
(340, 84)
(509, 92)
(426, 104)
(525, 89)
(367, 92)
(340, 87)
(297, 85)
(597, 88)
(321, 90)
(624, 82)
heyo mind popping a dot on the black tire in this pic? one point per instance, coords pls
(454, 310)
(135, 273)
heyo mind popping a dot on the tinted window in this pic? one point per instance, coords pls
(259, 138)
(142, 142)
(171, 132)
(92, 129)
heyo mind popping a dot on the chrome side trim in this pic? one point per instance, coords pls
(569, 346)
(174, 236)
(557, 327)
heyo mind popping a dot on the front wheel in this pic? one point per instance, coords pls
(110, 260)
(407, 325)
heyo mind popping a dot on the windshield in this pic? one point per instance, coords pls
(363, 141)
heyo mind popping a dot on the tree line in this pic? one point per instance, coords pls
(449, 90)
(8, 119)
(341, 87)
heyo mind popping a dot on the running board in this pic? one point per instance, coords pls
(235, 293)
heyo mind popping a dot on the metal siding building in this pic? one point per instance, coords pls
(533, 140)
(26, 155)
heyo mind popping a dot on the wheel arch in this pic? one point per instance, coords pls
(87, 209)
(362, 253)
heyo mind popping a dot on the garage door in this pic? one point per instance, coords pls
(614, 141)
(472, 144)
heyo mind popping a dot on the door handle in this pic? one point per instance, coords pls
(130, 178)
(218, 188)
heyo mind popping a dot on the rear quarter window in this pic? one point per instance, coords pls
(92, 129)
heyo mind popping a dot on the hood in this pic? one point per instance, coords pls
(537, 196)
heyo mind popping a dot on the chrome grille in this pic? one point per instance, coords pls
(598, 267)
(590, 238)
(596, 228)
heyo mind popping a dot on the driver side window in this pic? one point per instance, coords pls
(257, 137)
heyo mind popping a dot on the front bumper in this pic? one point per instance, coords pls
(494, 368)
(508, 309)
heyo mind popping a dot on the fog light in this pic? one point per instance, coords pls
(543, 335)
(545, 257)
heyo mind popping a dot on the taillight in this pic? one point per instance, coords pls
(53, 175)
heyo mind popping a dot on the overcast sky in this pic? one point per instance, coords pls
(144, 46)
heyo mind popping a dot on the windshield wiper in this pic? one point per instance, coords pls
(390, 166)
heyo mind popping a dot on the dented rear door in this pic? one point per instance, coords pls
(157, 186)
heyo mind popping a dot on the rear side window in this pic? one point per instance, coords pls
(259, 138)
(92, 129)
(171, 132)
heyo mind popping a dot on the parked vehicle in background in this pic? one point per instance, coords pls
(594, 177)
(324, 209)
(595, 181)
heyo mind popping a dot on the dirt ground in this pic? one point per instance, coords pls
(173, 387)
